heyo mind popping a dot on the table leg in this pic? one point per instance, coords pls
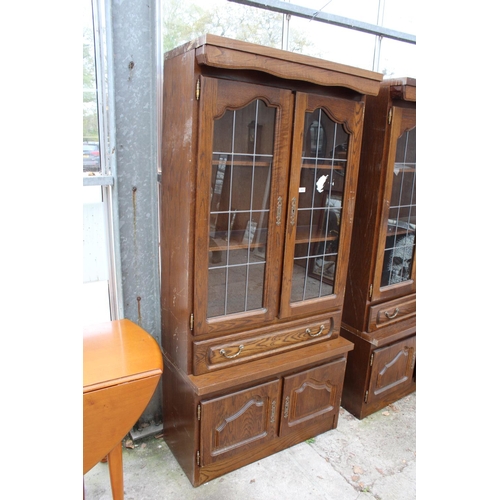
(115, 463)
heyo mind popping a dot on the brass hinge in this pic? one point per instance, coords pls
(191, 322)
(390, 116)
(366, 396)
(371, 290)
(199, 412)
(198, 89)
(197, 458)
(371, 360)
(414, 358)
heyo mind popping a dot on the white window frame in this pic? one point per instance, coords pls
(106, 126)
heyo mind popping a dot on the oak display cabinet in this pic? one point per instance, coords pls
(260, 162)
(379, 314)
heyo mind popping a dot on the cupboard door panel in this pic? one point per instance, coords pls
(323, 178)
(312, 395)
(392, 368)
(238, 422)
(242, 173)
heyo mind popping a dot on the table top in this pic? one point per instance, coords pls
(116, 352)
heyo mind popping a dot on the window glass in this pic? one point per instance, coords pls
(95, 297)
(91, 153)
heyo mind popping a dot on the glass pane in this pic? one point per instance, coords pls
(401, 225)
(319, 207)
(242, 161)
(91, 154)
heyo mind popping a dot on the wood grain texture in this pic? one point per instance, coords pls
(379, 320)
(226, 53)
(232, 343)
(122, 365)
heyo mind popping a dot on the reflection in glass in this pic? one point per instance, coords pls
(319, 210)
(401, 225)
(243, 146)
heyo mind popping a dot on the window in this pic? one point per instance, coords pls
(100, 292)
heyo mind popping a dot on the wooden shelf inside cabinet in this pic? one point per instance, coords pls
(397, 229)
(303, 236)
(324, 165)
(239, 163)
(234, 243)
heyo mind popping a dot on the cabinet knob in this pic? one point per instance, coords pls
(308, 331)
(223, 352)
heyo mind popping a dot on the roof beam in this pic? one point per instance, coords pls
(324, 17)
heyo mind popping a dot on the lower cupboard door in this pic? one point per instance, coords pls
(312, 398)
(238, 422)
(392, 369)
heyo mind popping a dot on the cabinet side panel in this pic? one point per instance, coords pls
(367, 212)
(177, 206)
(180, 431)
(356, 375)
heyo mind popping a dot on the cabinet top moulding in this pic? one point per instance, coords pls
(404, 89)
(220, 52)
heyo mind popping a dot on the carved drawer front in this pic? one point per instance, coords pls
(238, 422)
(312, 394)
(221, 353)
(392, 368)
(391, 312)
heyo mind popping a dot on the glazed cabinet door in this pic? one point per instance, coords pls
(392, 370)
(395, 270)
(238, 422)
(324, 170)
(312, 397)
(242, 175)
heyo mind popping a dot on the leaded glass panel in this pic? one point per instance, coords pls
(401, 225)
(319, 207)
(242, 161)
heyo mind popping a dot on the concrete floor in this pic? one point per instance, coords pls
(373, 458)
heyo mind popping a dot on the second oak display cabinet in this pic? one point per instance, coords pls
(380, 304)
(260, 163)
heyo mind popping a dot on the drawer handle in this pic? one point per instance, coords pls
(308, 331)
(392, 316)
(223, 352)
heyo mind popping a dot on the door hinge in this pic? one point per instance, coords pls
(199, 412)
(371, 290)
(198, 89)
(390, 116)
(371, 360)
(191, 322)
(366, 397)
(198, 458)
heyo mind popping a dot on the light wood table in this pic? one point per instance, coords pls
(122, 365)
